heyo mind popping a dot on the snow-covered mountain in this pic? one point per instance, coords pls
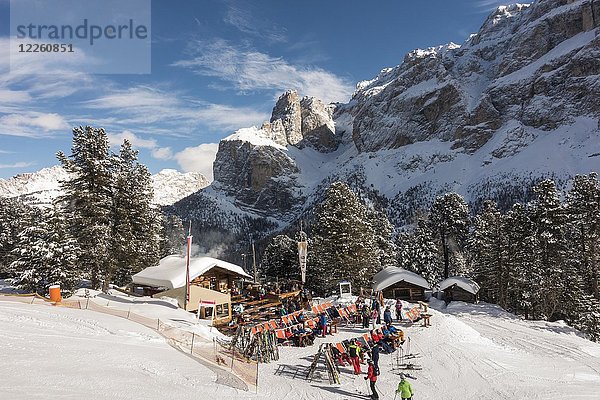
(42, 187)
(171, 185)
(516, 103)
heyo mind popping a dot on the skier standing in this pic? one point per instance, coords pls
(404, 388)
(366, 314)
(375, 355)
(387, 315)
(323, 323)
(354, 353)
(374, 317)
(372, 377)
(399, 309)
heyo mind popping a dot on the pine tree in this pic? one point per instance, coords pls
(135, 223)
(489, 248)
(549, 220)
(172, 236)
(345, 247)
(280, 258)
(418, 252)
(14, 218)
(46, 255)
(583, 210)
(383, 229)
(524, 270)
(449, 219)
(88, 200)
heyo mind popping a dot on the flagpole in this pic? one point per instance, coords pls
(187, 267)
(303, 254)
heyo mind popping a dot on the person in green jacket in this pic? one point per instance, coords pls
(404, 388)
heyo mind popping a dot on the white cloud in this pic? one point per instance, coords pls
(198, 159)
(32, 124)
(136, 141)
(146, 106)
(162, 153)
(246, 23)
(247, 70)
(17, 165)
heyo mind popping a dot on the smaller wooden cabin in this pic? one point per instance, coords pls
(458, 288)
(398, 283)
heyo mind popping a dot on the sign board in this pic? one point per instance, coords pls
(303, 254)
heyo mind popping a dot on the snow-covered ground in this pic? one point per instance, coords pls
(469, 352)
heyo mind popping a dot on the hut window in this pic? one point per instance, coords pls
(402, 293)
(223, 310)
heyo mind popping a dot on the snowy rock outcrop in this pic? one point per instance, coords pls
(253, 164)
(171, 185)
(255, 170)
(537, 65)
(36, 188)
(288, 113)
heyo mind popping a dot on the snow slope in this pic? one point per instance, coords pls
(469, 352)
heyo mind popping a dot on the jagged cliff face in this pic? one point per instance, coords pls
(517, 102)
(525, 64)
(254, 164)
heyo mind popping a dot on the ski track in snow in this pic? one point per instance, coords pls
(469, 352)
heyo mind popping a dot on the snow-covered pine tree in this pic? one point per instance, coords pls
(583, 211)
(14, 218)
(88, 200)
(172, 236)
(46, 255)
(280, 258)
(579, 304)
(418, 252)
(345, 247)
(549, 218)
(383, 229)
(525, 274)
(135, 223)
(449, 219)
(489, 247)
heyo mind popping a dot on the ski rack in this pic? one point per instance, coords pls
(333, 372)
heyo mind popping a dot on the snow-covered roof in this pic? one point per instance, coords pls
(170, 271)
(460, 281)
(390, 275)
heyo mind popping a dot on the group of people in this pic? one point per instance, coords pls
(371, 313)
(383, 338)
(356, 355)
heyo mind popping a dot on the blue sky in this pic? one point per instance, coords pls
(216, 66)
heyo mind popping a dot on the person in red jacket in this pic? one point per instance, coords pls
(372, 377)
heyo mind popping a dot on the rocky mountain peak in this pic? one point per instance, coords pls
(523, 65)
(287, 110)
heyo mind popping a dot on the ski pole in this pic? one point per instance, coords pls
(396, 395)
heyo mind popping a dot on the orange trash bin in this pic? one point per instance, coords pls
(55, 293)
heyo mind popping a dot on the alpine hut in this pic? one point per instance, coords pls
(459, 288)
(211, 282)
(398, 283)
